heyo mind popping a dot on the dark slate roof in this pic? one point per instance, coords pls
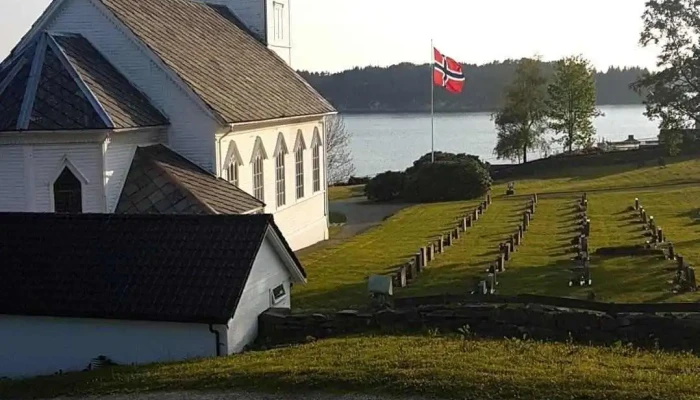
(181, 268)
(126, 105)
(160, 181)
(75, 88)
(231, 71)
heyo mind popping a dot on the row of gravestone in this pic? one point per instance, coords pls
(506, 250)
(581, 272)
(411, 269)
(684, 280)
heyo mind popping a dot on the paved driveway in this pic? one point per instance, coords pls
(363, 214)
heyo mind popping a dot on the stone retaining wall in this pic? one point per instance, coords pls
(496, 320)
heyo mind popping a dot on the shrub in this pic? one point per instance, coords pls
(354, 180)
(440, 156)
(447, 181)
(385, 186)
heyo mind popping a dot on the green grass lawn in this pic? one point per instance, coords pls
(542, 265)
(337, 275)
(345, 192)
(678, 171)
(446, 367)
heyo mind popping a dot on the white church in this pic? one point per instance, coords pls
(163, 107)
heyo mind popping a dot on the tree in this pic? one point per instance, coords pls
(672, 92)
(572, 101)
(340, 166)
(521, 122)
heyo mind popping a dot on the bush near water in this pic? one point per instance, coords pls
(451, 177)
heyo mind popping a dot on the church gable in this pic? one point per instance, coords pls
(63, 83)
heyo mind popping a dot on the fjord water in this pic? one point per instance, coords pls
(382, 142)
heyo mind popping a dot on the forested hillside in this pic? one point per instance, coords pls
(406, 87)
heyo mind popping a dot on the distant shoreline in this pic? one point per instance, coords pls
(464, 111)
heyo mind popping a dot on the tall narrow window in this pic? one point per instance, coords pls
(258, 178)
(67, 193)
(278, 20)
(280, 181)
(317, 168)
(299, 162)
(233, 173)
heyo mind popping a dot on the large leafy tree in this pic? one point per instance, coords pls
(673, 91)
(521, 122)
(572, 101)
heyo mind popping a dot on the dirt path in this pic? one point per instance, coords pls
(233, 395)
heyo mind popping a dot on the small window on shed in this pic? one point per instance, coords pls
(278, 294)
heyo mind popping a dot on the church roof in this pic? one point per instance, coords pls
(61, 82)
(160, 181)
(180, 268)
(239, 78)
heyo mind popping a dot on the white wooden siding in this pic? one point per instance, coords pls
(32, 346)
(191, 131)
(302, 221)
(119, 153)
(268, 272)
(12, 179)
(250, 12)
(86, 157)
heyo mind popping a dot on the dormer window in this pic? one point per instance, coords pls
(68, 193)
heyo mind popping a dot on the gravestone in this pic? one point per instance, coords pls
(659, 235)
(455, 233)
(401, 278)
(440, 244)
(652, 224)
(448, 240)
(469, 221)
(680, 263)
(584, 244)
(587, 228)
(521, 232)
(501, 261)
(419, 262)
(643, 213)
(476, 215)
(636, 203)
(463, 223)
(412, 269)
(511, 189)
(488, 199)
(526, 220)
(481, 288)
(690, 276)
(516, 239)
(507, 252)
(423, 251)
(491, 283)
(532, 210)
(534, 198)
(671, 251)
(431, 251)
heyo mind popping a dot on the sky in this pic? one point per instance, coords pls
(334, 35)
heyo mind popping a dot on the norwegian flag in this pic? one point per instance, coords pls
(447, 73)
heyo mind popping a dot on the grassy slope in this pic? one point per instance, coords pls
(338, 274)
(609, 177)
(345, 192)
(438, 366)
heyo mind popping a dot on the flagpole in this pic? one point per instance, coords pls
(432, 102)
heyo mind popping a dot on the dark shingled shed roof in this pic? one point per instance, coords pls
(160, 181)
(180, 268)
